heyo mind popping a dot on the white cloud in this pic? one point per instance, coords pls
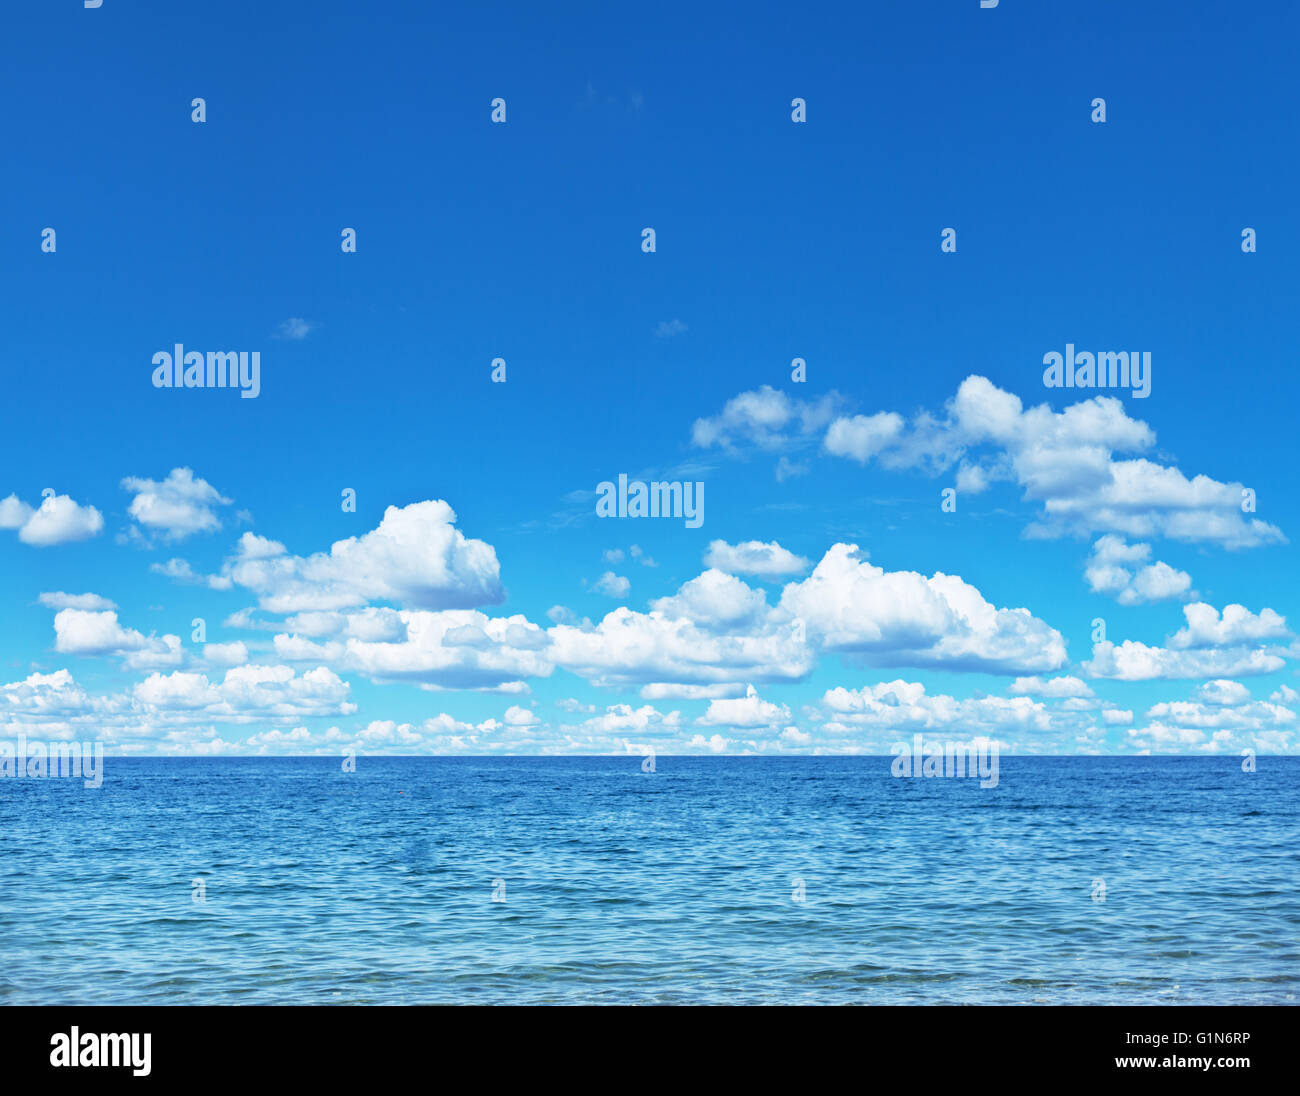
(659, 690)
(622, 719)
(1120, 570)
(754, 557)
(89, 633)
(520, 730)
(1216, 717)
(749, 711)
(1210, 645)
(177, 507)
(1134, 661)
(1223, 693)
(899, 618)
(226, 654)
(639, 555)
(717, 631)
(612, 585)
(53, 696)
(631, 648)
(791, 469)
(1206, 628)
(716, 601)
(294, 328)
(668, 328)
(569, 704)
(455, 649)
(765, 417)
(58, 520)
(59, 600)
(415, 557)
(1157, 582)
(1063, 460)
(14, 513)
(876, 714)
(249, 692)
(863, 436)
(159, 654)
(372, 624)
(1054, 688)
(179, 570)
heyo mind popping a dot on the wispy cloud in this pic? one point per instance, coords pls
(294, 328)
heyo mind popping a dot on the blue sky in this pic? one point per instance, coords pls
(526, 623)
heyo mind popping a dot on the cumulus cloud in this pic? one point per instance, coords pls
(616, 729)
(248, 692)
(226, 654)
(446, 734)
(44, 697)
(899, 618)
(754, 557)
(58, 520)
(174, 508)
(1206, 628)
(1120, 570)
(1221, 717)
(14, 513)
(766, 418)
(612, 585)
(1210, 645)
(631, 648)
(874, 714)
(1065, 461)
(716, 601)
(1134, 661)
(861, 437)
(716, 631)
(623, 719)
(748, 712)
(1056, 687)
(455, 649)
(372, 624)
(415, 557)
(1223, 693)
(90, 633)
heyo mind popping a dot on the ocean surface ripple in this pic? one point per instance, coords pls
(614, 885)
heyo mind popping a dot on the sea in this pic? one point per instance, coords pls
(709, 880)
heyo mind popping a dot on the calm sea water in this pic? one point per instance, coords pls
(674, 886)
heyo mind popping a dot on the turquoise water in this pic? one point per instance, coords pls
(621, 886)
